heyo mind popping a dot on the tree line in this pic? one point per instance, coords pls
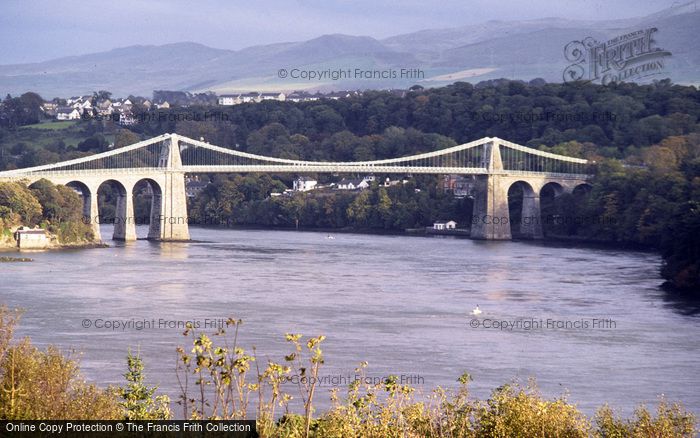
(643, 138)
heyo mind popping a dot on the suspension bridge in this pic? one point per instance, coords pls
(163, 161)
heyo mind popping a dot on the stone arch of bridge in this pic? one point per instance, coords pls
(124, 220)
(153, 193)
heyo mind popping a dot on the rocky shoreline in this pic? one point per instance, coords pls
(9, 244)
(15, 259)
(54, 246)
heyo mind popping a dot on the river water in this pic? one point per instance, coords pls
(401, 303)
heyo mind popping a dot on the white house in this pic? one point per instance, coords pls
(440, 226)
(67, 113)
(253, 96)
(250, 97)
(390, 183)
(126, 118)
(86, 105)
(82, 104)
(353, 184)
(304, 184)
(229, 99)
(194, 186)
(301, 96)
(272, 96)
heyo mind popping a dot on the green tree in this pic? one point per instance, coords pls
(138, 399)
(359, 209)
(20, 204)
(124, 137)
(681, 248)
(384, 208)
(59, 203)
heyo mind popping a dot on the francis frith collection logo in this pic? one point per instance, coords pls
(629, 57)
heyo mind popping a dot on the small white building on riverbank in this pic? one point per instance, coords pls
(441, 226)
(31, 238)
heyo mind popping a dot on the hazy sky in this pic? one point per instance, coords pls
(45, 29)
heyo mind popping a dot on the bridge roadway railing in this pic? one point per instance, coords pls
(331, 168)
(82, 172)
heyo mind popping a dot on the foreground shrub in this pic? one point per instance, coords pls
(47, 385)
(671, 421)
(516, 411)
(224, 387)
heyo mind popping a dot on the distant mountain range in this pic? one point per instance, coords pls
(495, 49)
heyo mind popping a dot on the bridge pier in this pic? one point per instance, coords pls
(531, 218)
(124, 221)
(155, 227)
(91, 213)
(172, 223)
(491, 218)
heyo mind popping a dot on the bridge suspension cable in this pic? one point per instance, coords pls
(199, 157)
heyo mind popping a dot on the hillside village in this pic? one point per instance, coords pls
(124, 110)
(88, 107)
(297, 96)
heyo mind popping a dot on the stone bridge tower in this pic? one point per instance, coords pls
(491, 215)
(169, 219)
(490, 218)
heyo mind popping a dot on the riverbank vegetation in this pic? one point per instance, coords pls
(55, 208)
(644, 139)
(221, 380)
(246, 200)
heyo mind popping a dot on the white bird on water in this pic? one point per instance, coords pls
(476, 310)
